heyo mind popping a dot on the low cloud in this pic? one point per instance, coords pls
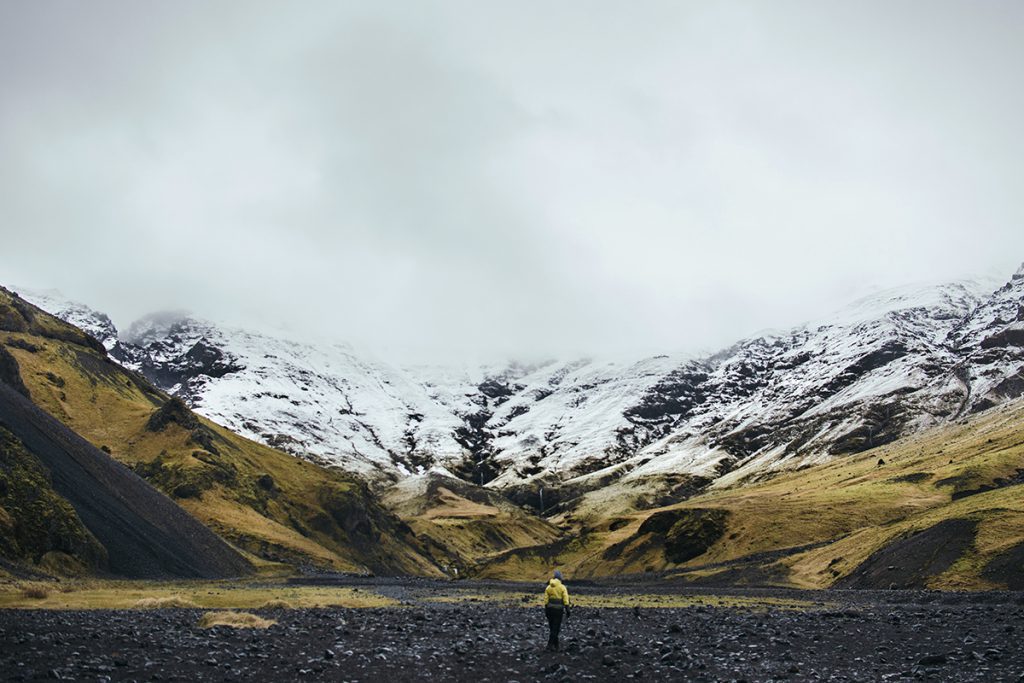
(517, 178)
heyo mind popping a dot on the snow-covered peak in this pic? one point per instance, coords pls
(956, 298)
(882, 367)
(87, 319)
(161, 325)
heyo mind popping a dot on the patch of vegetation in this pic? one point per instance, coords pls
(35, 593)
(687, 532)
(166, 602)
(187, 477)
(694, 534)
(210, 595)
(277, 604)
(35, 520)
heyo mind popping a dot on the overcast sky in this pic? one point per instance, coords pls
(511, 177)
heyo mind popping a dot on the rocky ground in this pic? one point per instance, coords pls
(842, 635)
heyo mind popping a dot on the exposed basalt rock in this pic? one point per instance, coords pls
(745, 442)
(499, 391)
(199, 364)
(23, 344)
(1010, 388)
(174, 411)
(10, 372)
(673, 397)
(1013, 336)
(476, 439)
(871, 361)
(881, 424)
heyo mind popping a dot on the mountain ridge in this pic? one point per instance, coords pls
(890, 364)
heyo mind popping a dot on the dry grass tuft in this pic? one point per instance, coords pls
(36, 593)
(169, 602)
(277, 603)
(234, 620)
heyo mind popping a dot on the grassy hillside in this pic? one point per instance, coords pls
(852, 522)
(276, 507)
(465, 524)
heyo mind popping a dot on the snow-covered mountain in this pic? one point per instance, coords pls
(885, 366)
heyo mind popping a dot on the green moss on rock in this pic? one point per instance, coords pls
(181, 480)
(688, 533)
(36, 521)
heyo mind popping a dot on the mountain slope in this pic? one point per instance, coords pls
(272, 505)
(941, 509)
(143, 533)
(658, 428)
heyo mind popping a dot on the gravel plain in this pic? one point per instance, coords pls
(442, 633)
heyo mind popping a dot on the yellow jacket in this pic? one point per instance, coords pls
(556, 593)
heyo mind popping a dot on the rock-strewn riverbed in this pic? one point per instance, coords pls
(839, 636)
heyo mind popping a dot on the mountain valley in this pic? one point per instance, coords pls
(794, 458)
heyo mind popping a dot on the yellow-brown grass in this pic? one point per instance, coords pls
(234, 620)
(207, 595)
(166, 602)
(35, 593)
(277, 603)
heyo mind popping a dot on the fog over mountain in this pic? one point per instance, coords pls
(507, 178)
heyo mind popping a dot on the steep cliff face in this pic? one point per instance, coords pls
(884, 367)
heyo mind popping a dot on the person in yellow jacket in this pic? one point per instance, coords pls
(556, 599)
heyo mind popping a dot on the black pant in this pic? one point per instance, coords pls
(554, 615)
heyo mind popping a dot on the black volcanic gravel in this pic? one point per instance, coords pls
(887, 636)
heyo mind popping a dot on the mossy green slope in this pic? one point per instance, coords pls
(37, 526)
